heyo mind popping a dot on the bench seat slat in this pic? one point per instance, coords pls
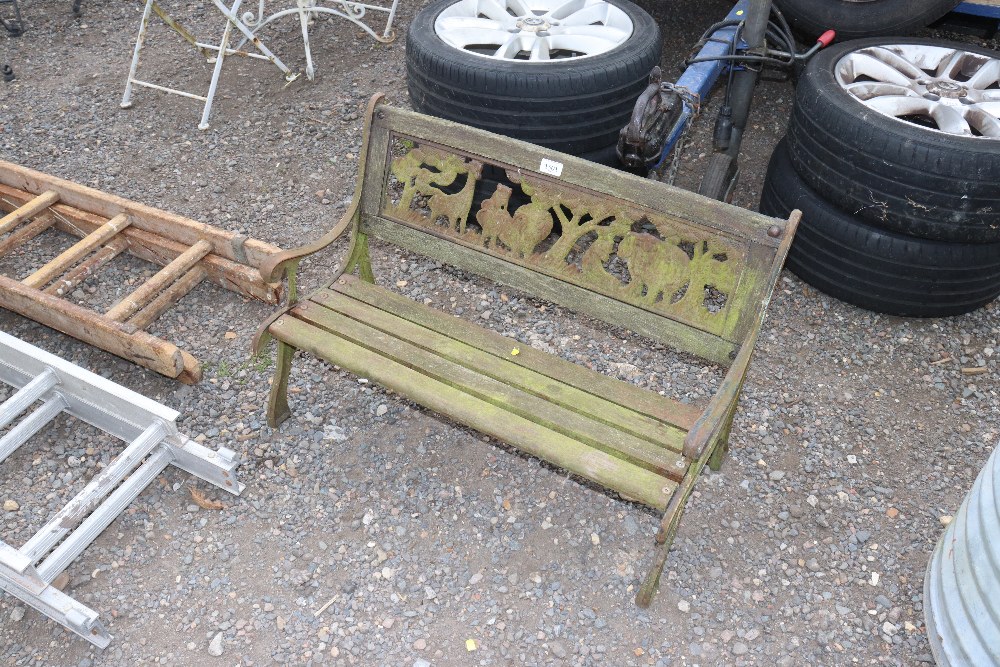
(503, 370)
(628, 479)
(571, 424)
(682, 415)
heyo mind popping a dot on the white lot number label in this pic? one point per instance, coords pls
(550, 167)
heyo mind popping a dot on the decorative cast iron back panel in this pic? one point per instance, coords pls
(610, 246)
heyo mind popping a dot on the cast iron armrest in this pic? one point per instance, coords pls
(274, 267)
(714, 419)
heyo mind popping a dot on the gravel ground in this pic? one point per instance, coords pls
(857, 434)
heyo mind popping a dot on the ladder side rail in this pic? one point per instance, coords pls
(104, 515)
(91, 496)
(90, 397)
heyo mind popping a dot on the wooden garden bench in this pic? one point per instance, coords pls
(673, 266)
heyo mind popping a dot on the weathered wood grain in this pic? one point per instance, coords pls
(71, 255)
(165, 277)
(658, 328)
(527, 404)
(27, 210)
(614, 473)
(184, 230)
(86, 325)
(635, 402)
(155, 248)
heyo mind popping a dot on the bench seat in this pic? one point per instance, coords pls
(608, 431)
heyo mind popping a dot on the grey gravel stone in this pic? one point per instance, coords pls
(850, 435)
(215, 646)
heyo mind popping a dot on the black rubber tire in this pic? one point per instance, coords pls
(855, 19)
(719, 179)
(897, 175)
(573, 106)
(872, 267)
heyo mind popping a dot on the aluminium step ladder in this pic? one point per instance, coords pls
(150, 428)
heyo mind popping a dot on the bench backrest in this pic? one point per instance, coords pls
(665, 263)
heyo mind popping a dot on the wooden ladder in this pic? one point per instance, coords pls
(189, 252)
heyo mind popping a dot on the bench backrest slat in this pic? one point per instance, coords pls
(663, 262)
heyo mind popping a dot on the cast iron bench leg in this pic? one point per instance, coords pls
(277, 404)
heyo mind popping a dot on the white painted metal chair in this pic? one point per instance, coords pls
(249, 24)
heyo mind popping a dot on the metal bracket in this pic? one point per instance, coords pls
(149, 427)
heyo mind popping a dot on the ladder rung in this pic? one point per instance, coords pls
(22, 213)
(27, 232)
(87, 267)
(70, 256)
(27, 395)
(167, 298)
(128, 306)
(91, 496)
(102, 517)
(31, 425)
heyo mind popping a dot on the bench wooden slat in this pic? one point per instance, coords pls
(655, 327)
(630, 480)
(454, 349)
(682, 415)
(539, 410)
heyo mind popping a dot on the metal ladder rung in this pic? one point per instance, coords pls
(70, 256)
(27, 395)
(128, 306)
(104, 515)
(91, 496)
(31, 425)
(33, 207)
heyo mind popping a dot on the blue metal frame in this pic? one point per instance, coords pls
(699, 78)
(976, 9)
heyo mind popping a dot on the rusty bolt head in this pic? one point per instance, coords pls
(774, 231)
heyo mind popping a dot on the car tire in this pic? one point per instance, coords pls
(852, 19)
(886, 158)
(575, 104)
(872, 267)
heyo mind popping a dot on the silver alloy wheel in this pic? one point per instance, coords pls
(940, 88)
(533, 30)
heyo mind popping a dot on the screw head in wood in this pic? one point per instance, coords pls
(774, 231)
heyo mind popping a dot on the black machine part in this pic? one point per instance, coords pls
(13, 25)
(640, 143)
